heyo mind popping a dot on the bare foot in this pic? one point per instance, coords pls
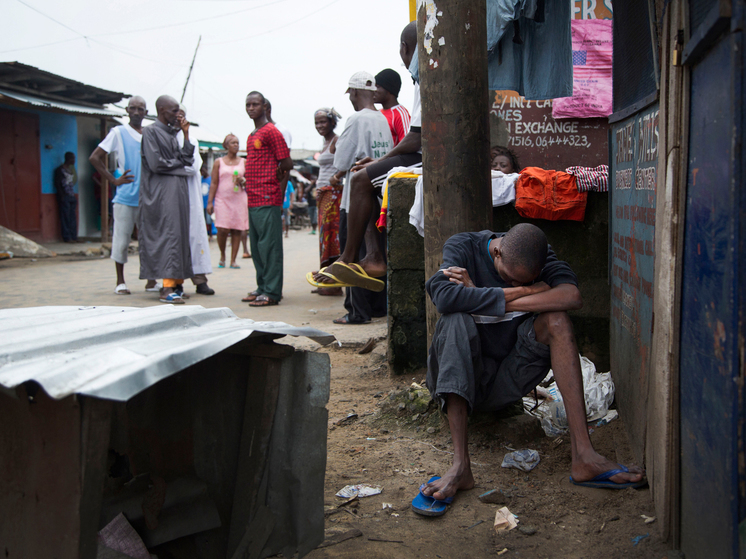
(458, 477)
(149, 285)
(374, 267)
(592, 464)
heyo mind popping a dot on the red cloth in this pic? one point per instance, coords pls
(398, 118)
(265, 148)
(551, 195)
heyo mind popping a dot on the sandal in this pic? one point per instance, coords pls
(221, 264)
(263, 301)
(121, 289)
(346, 320)
(235, 267)
(246, 255)
(251, 297)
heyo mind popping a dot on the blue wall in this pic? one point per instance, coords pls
(60, 133)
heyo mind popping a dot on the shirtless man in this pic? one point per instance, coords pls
(504, 300)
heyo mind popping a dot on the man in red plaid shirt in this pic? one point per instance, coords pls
(267, 162)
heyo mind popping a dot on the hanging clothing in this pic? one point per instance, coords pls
(550, 195)
(591, 179)
(540, 65)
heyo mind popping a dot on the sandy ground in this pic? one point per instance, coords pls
(384, 442)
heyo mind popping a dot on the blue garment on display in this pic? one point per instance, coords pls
(540, 66)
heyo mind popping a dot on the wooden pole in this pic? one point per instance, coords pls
(452, 46)
(104, 194)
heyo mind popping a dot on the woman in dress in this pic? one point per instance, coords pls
(328, 197)
(227, 201)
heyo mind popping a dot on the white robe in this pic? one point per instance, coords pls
(198, 241)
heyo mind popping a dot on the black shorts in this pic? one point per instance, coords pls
(378, 171)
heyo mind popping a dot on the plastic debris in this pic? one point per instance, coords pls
(385, 506)
(647, 519)
(610, 416)
(360, 490)
(503, 551)
(505, 520)
(638, 539)
(598, 389)
(525, 460)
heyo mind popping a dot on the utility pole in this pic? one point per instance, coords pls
(190, 70)
(452, 47)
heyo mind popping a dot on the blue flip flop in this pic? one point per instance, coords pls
(427, 506)
(602, 481)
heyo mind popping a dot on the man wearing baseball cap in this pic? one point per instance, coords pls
(366, 134)
(388, 85)
(366, 184)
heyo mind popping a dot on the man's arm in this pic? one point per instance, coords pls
(158, 158)
(98, 160)
(563, 297)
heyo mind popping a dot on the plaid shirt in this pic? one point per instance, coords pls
(265, 148)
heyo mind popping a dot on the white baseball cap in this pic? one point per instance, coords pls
(362, 80)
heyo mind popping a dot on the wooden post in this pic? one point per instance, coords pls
(452, 46)
(104, 194)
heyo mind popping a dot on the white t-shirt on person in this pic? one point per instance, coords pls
(366, 134)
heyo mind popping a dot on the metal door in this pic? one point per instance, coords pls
(712, 295)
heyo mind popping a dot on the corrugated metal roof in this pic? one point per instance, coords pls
(117, 352)
(59, 105)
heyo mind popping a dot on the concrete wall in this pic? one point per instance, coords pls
(584, 246)
(407, 325)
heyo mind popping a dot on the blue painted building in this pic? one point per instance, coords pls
(43, 116)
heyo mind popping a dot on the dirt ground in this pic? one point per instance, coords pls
(398, 448)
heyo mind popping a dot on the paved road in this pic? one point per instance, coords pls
(70, 279)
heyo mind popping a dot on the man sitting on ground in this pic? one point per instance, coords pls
(504, 300)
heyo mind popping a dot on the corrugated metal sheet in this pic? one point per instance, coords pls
(67, 107)
(117, 352)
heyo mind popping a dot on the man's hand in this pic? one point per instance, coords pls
(210, 208)
(334, 181)
(362, 164)
(459, 276)
(126, 178)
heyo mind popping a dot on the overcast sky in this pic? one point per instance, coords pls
(299, 53)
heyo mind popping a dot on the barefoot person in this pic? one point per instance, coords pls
(504, 300)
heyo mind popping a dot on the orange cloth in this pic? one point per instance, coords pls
(170, 282)
(551, 195)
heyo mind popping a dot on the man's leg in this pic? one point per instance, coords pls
(273, 253)
(255, 233)
(555, 330)
(454, 367)
(124, 224)
(459, 476)
(359, 217)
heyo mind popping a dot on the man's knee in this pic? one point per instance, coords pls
(360, 184)
(553, 326)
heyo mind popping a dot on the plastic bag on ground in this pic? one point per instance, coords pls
(598, 389)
